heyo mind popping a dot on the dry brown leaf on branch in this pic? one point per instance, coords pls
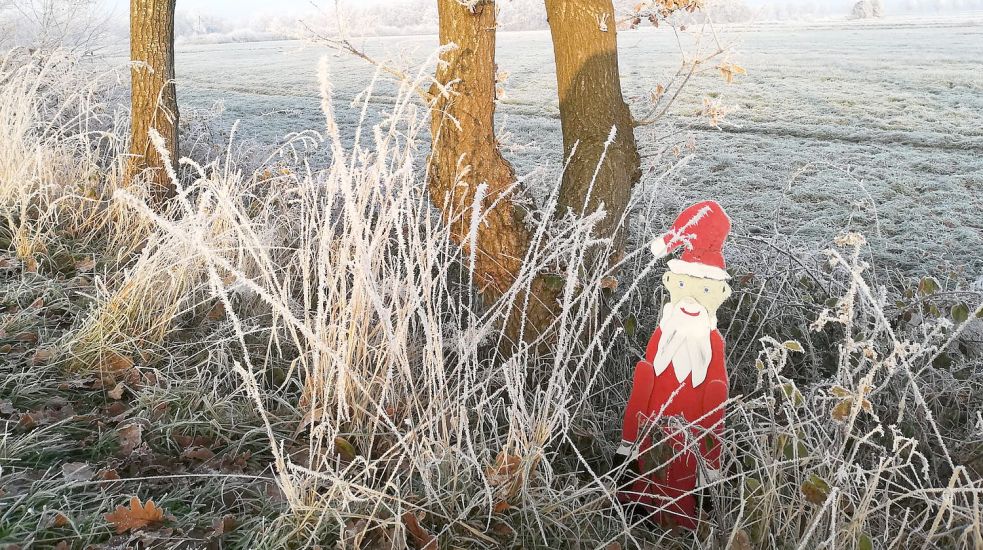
(137, 516)
(730, 70)
(658, 93)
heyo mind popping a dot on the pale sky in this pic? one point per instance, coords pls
(246, 8)
(229, 8)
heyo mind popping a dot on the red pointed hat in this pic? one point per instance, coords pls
(700, 231)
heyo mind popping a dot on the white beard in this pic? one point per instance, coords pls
(685, 341)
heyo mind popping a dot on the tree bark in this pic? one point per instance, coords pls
(153, 96)
(585, 47)
(466, 156)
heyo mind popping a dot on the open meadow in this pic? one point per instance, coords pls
(873, 127)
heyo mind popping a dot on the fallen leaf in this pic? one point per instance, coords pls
(353, 533)
(742, 541)
(116, 393)
(274, 493)
(27, 337)
(235, 464)
(198, 453)
(114, 362)
(506, 466)
(116, 408)
(41, 357)
(159, 411)
(28, 420)
(502, 529)
(137, 516)
(216, 313)
(60, 521)
(423, 539)
(130, 437)
(62, 545)
(187, 441)
(77, 471)
(225, 525)
(87, 264)
(6, 407)
(108, 475)
(501, 507)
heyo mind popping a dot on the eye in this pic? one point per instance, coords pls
(681, 284)
(706, 290)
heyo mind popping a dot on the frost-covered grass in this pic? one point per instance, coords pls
(299, 350)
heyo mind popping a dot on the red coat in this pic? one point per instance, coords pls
(668, 471)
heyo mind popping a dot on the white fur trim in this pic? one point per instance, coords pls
(659, 248)
(628, 450)
(703, 271)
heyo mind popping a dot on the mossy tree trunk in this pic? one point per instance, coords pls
(585, 47)
(467, 168)
(153, 95)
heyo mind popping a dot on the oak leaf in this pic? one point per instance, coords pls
(137, 516)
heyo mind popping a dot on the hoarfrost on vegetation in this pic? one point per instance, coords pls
(333, 270)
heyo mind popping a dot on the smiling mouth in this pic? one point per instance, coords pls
(697, 314)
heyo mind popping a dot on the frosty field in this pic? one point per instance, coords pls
(875, 127)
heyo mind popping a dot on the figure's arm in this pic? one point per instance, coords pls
(713, 423)
(641, 390)
(653, 346)
(713, 399)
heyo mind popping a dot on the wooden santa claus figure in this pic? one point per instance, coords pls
(675, 411)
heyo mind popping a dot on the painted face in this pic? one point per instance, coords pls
(709, 293)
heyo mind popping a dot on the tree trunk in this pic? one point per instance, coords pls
(465, 156)
(585, 47)
(153, 95)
